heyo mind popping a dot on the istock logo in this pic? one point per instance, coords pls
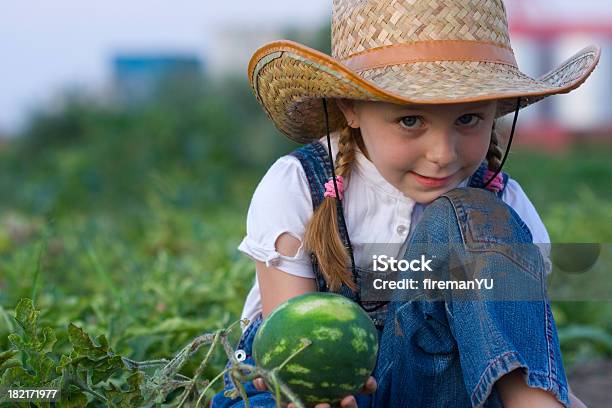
(383, 263)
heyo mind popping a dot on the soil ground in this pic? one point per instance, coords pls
(592, 383)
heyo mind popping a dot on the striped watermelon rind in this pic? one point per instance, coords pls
(343, 350)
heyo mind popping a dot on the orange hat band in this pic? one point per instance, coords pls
(430, 51)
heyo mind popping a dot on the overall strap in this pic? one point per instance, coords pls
(482, 174)
(313, 157)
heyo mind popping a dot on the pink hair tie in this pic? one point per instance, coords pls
(329, 187)
(498, 182)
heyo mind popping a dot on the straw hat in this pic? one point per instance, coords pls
(403, 51)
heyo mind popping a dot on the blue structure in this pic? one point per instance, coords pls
(137, 77)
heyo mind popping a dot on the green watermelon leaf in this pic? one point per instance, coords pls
(35, 344)
(27, 317)
(92, 373)
(7, 361)
(99, 360)
(129, 396)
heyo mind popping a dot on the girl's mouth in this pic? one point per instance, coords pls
(431, 181)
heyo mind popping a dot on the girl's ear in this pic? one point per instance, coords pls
(347, 106)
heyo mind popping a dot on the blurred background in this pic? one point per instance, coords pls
(130, 144)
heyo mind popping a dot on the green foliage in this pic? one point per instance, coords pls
(127, 217)
(187, 143)
(147, 283)
(37, 369)
(91, 373)
(586, 219)
(85, 370)
(561, 179)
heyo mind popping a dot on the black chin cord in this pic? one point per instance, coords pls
(516, 112)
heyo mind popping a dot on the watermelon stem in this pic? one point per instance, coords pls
(209, 338)
(305, 343)
(275, 370)
(277, 393)
(200, 369)
(208, 386)
(243, 395)
(270, 377)
(271, 380)
(279, 385)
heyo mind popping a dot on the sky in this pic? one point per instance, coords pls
(46, 46)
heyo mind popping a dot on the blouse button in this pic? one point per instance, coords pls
(401, 229)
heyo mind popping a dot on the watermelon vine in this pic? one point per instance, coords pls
(92, 374)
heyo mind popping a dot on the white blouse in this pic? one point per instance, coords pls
(375, 212)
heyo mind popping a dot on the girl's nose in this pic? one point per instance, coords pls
(441, 150)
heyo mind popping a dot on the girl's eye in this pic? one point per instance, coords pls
(467, 120)
(410, 122)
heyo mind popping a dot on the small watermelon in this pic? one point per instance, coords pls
(343, 350)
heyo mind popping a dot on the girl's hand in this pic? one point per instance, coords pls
(347, 402)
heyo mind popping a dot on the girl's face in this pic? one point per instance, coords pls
(423, 150)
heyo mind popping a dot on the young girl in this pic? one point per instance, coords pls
(401, 148)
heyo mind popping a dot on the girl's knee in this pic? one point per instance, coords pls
(484, 217)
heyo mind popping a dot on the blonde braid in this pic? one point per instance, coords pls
(322, 237)
(495, 153)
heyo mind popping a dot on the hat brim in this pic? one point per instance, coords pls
(290, 79)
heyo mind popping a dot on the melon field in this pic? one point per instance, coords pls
(120, 224)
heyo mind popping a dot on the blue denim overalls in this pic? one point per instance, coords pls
(447, 353)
